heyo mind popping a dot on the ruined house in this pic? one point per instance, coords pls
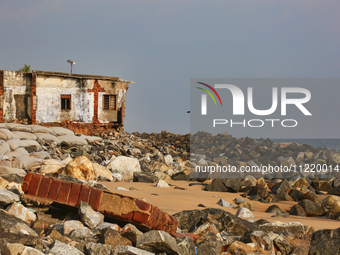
(83, 103)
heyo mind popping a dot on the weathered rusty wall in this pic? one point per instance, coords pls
(16, 85)
(21, 91)
(111, 88)
(49, 90)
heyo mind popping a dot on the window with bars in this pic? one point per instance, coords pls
(109, 102)
(65, 102)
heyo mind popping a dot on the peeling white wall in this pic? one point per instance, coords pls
(111, 88)
(49, 91)
(15, 83)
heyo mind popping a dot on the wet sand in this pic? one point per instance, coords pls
(173, 200)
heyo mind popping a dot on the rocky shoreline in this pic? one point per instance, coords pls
(28, 227)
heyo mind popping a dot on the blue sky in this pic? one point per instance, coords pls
(160, 45)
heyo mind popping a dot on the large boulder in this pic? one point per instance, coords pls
(311, 209)
(187, 220)
(224, 185)
(283, 245)
(209, 244)
(335, 191)
(132, 233)
(113, 238)
(325, 241)
(51, 166)
(235, 225)
(322, 185)
(102, 171)
(278, 188)
(14, 225)
(331, 205)
(244, 212)
(186, 245)
(21, 212)
(81, 168)
(145, 177)
(297, 210)
(158, 242)
(8, 197)
(295, 228)
(125, 166)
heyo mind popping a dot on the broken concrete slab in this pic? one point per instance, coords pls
(124, 208)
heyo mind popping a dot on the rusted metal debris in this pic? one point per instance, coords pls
(48, 190)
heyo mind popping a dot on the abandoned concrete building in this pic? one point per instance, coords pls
(83, 103)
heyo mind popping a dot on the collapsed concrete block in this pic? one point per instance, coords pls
(47, 190)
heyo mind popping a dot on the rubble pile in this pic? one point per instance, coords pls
(40, 219)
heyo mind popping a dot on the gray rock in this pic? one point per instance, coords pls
(311, 209)
(98, 249)
(105, 225)
(71, 225)
(168, 159)
(81, 233)
(59, 248)
(186, 246)
(278, 188)
(162, 184)
(295, 228)
(224, 203)
(12, 248)
(129, 250)
(273, 209)
(244, 212)
(283, 245)
(7, 197)
(187, 220)
(209, 245)
(21, 212)
(259, 238)
(130, 232)
(121, 188)
(144, 177)
(88, 216)
(239, 200)
(113, 238)
(125, 166)
(12, 224)
(158, 241)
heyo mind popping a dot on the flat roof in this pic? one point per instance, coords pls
(76, 76)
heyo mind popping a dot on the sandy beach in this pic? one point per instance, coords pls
(173, 200)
